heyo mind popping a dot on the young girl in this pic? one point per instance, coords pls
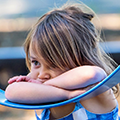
(64, 59)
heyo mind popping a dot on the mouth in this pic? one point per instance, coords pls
(40, 80)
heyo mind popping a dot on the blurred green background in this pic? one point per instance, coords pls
(16, 19)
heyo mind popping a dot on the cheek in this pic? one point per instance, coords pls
(34, 74)
(57, 73)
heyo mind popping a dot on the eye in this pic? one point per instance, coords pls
(35, 63)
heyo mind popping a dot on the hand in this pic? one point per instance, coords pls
(78, 92)
(18, 79)
(23, 78)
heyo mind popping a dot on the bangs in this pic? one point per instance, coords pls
(43, 46)
(52, 44)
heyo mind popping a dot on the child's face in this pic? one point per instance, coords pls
(40, 70)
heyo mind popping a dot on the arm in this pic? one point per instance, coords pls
(79, 77)
(26, 92)
(32, 93)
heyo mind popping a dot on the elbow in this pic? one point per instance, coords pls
(8, 93)
(98, 74)
(93, 75)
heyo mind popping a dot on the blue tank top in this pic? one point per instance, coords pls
(80, 113)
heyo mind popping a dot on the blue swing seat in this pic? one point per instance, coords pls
(110, 81)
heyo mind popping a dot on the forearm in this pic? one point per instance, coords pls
(32, 93)
(79, 77)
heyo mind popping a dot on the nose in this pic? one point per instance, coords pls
(44, 74)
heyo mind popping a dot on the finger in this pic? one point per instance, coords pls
(11, 80)
(77, 92)
(23, 78)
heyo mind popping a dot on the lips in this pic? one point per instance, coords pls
(40, 80)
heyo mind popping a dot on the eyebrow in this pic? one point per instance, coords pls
(32, 57)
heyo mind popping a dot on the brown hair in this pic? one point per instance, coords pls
(66, 37)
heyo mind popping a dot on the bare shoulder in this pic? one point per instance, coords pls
(102, 103)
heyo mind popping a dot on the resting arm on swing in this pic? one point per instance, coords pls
(79, 77)
(32, 93)
(59, 88)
